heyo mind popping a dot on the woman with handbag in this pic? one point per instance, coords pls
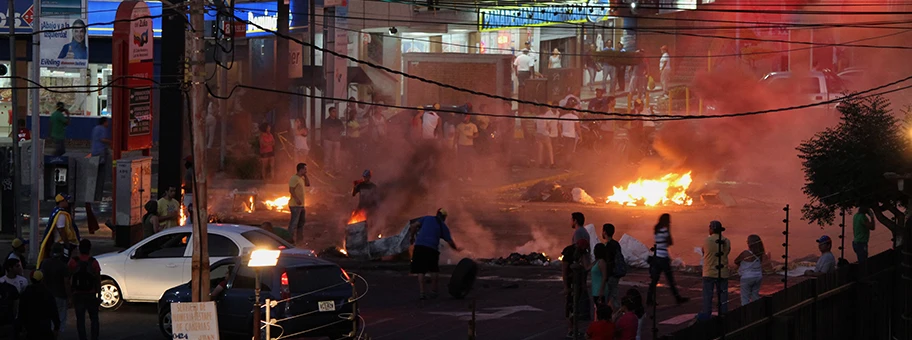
(661, 263)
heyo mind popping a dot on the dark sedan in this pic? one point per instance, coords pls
(314, 297)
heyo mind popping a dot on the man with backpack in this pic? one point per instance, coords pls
(85, 287)
(619, 265)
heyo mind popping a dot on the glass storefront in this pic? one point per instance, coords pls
(94, 103)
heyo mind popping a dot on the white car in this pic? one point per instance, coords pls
(143, 272)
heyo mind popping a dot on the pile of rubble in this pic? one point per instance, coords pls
(517, 259)
(553, 192)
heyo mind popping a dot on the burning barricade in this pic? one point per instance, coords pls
(517, 259)
(553, 192)
(356, 244)
(670, 189)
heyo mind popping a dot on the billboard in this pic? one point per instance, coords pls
(64, 42)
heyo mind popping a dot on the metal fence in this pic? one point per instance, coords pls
(854, 302)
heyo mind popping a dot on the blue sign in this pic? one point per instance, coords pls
(22, 25)
(498, 18)
(105, 12)
(264, 14)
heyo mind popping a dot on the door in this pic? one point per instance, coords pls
(812, 88)
(236, 305)
(157, 266)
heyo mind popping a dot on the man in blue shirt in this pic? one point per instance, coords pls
(101, 141)
(426, 233)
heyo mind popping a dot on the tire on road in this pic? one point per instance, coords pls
(164, 322)
(463, 278)
(111, 296)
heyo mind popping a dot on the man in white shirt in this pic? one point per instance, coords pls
(429, 122)
(665, 69)
(13, 275)
(570, 133)
(545, 130)
(523, 65)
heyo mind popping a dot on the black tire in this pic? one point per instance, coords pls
(111, 296)
(463, 278)
(164, 322)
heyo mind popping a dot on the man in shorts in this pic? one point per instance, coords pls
(425, 234)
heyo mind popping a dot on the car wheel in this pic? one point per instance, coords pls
(111, 298)
(164, 322)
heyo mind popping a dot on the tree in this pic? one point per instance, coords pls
(844, 166)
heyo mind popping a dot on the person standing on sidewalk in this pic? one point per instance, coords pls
(267, 152)
(296, 187)
(570, 135)
(862, 225)
(85, 285)
(169, 209)
(715, 270)
(101, 143)
(660, 262)
(466, 133)
(18, 251)
(60, 119)
(37, 310)
(750, 267)
(665, 69)
(617, 266)
(60, 230)
(332, 141)
(57, 280)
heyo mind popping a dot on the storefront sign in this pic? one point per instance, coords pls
(498, 18)
(24, 15)
(194, 321)
(65, 43)
(340, 66)
(102, 15)
(133, 58)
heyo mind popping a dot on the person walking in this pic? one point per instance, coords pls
(426, 233)
(660, 262)
(38, 310)
(57, 279)
(169, 209)
(297, 188)
(617, 266)
(60, 119)
(101, 143)
(750, 268)
(60, 230)
(862, 225)
(267, 151)
(665, 69)
(332, 140)
(150, 219)
(85, 285)
(467, 132)
(715, 270)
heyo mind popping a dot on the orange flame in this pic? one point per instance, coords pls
(357, 216)
(250, 206)
(278, 204)
(671, 189)
(183, 212)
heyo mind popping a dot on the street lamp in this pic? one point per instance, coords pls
(261, 258)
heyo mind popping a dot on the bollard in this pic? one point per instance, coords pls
(785, 257)
(686, 101)
(472, 321)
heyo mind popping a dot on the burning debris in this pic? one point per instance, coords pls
(357, 216)
(517, 259)
(334, 252)
(671, 189)
(553, 192)
(278, 204)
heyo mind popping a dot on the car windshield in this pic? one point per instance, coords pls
(265, 239)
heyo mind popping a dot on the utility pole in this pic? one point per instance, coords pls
(14, 82)
(312, 33)
(36, 166)
(225, 35)
(200, 265)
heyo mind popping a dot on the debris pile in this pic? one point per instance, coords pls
(553, 192)
(333, 252)
(517, 259)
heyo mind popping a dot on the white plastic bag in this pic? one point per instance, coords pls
(635, 252)
(580, 196)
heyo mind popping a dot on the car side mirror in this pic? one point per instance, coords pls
(133, 255)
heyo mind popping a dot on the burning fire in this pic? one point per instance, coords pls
(342, 250)
(671, 189)
(380, 236)
(278, 204)
(357, 216)
(183, 212)
(250, 206)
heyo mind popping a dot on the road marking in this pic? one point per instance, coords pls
(498, 313)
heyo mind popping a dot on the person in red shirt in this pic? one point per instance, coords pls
(85, 275)
(627, 324)
(24, 134)
(602, 328)
(267, 153)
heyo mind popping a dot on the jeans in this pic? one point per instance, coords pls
(861, 251)
(62, 312)
(750, 289)
(86, 303)
(611, 292)
(661, 265)
(296, 224)
(331, 154)
(544, 149)
(711, 287)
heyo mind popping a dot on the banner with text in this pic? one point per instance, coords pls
(64, 43)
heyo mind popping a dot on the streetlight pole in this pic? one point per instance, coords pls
(36, 166)
(17, 165)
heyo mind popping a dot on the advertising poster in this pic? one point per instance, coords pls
(65, 42)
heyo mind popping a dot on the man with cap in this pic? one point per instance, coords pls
(425, 233)
(18, 251)
(367, 191)
(827, 262)
(60, 229)
(37, 310)
(56, 279)
(715, 269)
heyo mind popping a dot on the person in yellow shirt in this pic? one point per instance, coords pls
(60, 229)
(715, 270)
(466, 132)
(169, 209)
(296, 187)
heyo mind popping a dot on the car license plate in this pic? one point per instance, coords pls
(327, 306)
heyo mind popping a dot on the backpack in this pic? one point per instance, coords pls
(83, 280)
(620, 264)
